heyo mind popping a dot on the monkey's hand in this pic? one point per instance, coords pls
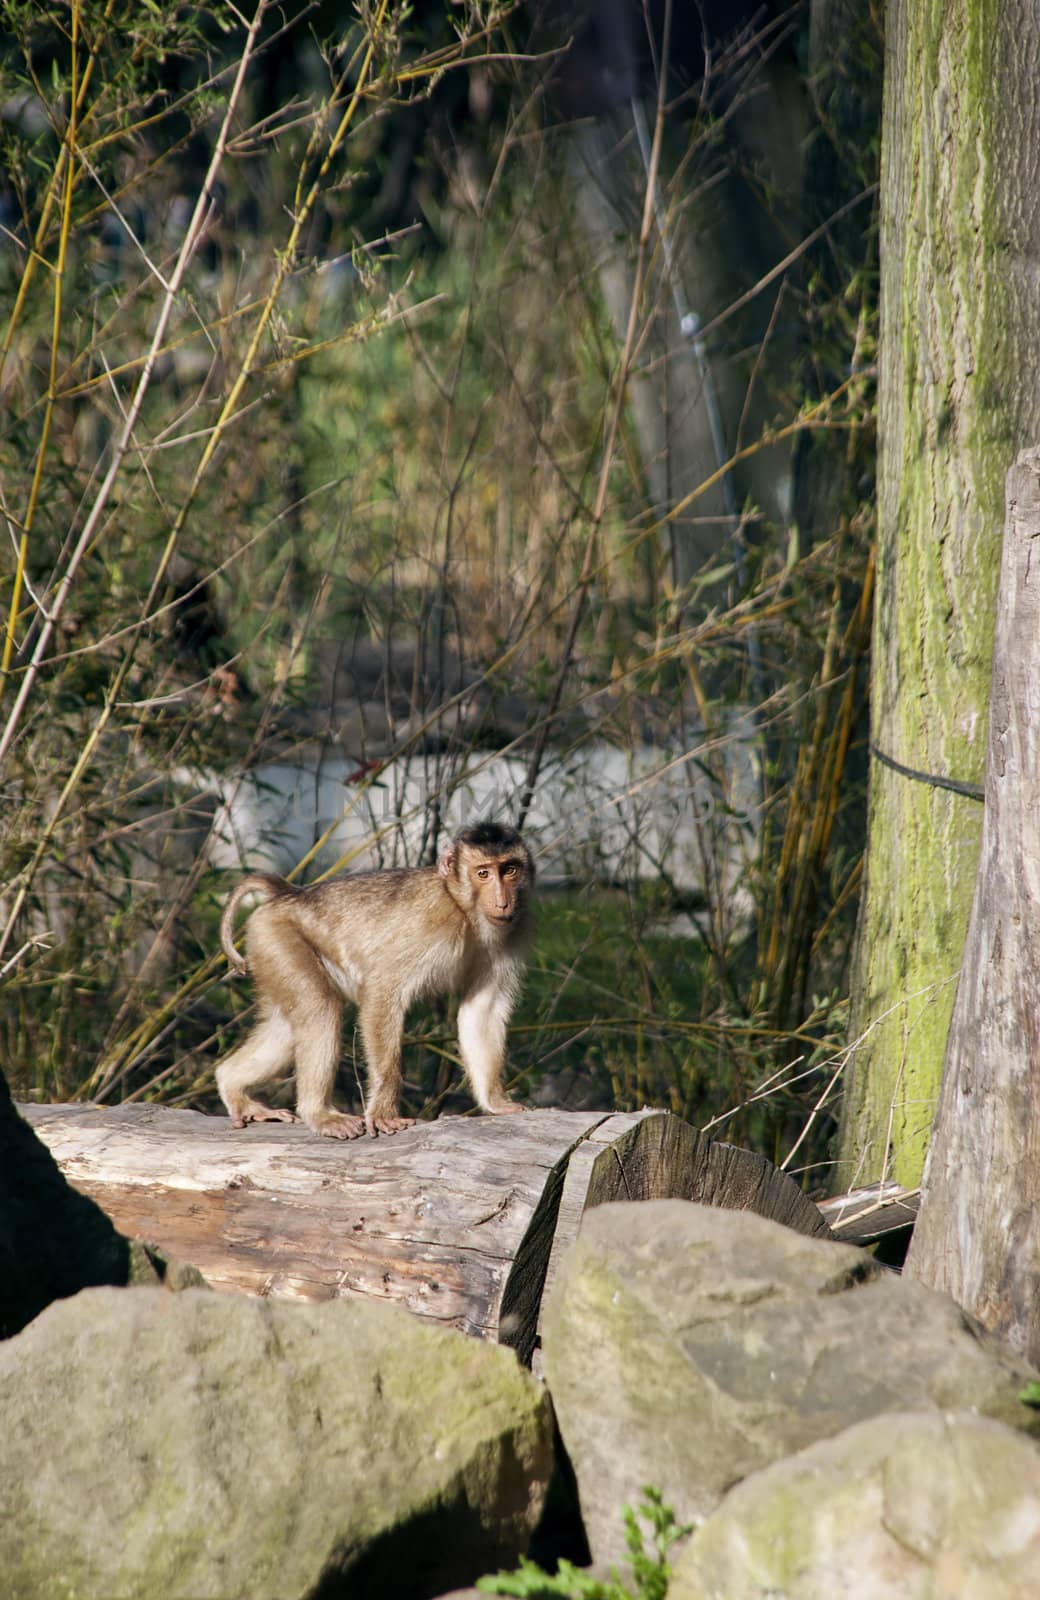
(378, 1125)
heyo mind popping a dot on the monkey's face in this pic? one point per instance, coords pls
(490, 880)
(498, 886)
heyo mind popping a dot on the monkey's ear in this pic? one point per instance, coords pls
(446, 864)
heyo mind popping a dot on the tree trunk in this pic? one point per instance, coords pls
(669, 402)
(960, 351)
(456, 1219)
(688, 399)
(978, 1235)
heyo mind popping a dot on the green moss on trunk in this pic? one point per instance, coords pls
(959, 350)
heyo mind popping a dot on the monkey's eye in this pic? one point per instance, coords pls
(482, 872)
(510, 871)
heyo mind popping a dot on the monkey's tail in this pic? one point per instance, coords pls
(267, 884)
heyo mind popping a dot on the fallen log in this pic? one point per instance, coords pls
(460, 1220)
(863, 1216)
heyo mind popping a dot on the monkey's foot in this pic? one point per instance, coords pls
(255, 1111)
(505, 1108)
(377, 1125)
(337, 1125)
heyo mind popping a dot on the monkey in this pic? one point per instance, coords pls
(381, 940)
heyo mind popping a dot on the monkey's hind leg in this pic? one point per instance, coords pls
(381, 1021)
(293, 983)
(317, 1023)
(265, 1055)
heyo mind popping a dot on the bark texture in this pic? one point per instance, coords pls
(960, 351)
(978, 1235)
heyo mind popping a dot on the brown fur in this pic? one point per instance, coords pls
(382, 940)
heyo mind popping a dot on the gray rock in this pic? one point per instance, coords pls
(54, 1241)
(686, 1347)
(911, 1506)
(196, 1446)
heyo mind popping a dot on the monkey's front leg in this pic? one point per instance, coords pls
(483, 1020)
(381, 1021)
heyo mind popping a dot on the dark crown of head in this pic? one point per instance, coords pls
(490, 836)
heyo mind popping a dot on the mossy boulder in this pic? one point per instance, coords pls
(201, 1445)
(910, 1506)
(686, 1347)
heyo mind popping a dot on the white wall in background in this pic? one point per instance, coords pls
(602, 812)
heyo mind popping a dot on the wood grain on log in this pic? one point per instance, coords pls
(458, 1220)
(433, 1218)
